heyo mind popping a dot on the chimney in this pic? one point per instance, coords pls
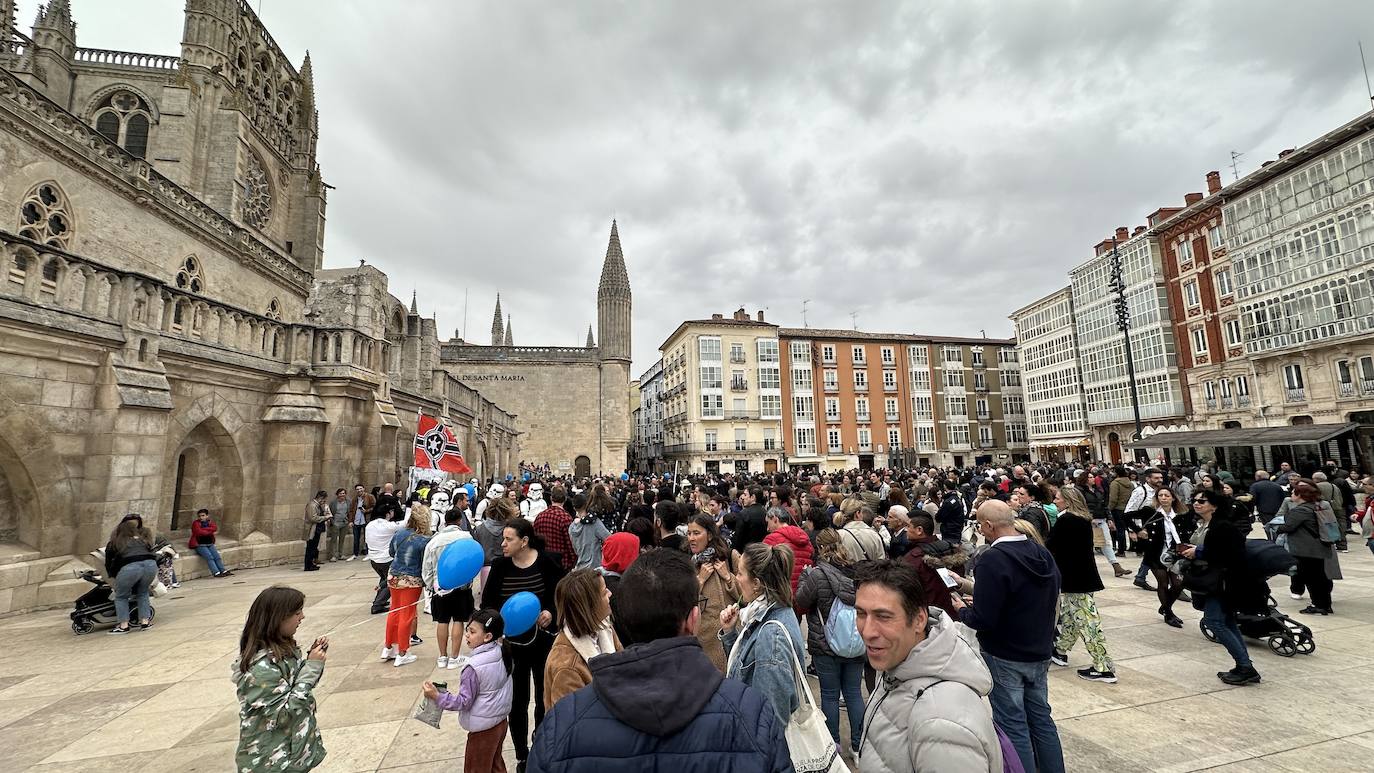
(1213, 182)
(741, 314)
(1189, 199)
(1285, 153)
(1122, 233)
(1140, 229)
(717, 316)
(760, 315)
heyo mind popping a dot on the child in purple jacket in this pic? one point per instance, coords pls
(483, 699)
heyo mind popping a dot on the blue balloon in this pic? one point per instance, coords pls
(459, 563)
(520, 612)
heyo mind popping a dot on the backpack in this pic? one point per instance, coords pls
(842, 631)
(1328, 529)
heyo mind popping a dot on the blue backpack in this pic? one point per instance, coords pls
(842, 631)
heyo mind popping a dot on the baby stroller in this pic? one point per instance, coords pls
(1284, 635)
(96, 606)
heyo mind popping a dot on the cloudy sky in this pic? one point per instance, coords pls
(930, 166)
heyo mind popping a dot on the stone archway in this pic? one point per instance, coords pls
(43, 516)
(204, 468)
(19, 518)
(582, 467)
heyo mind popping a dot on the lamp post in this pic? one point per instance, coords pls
(1123, 323)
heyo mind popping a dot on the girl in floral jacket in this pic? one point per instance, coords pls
(277, 730)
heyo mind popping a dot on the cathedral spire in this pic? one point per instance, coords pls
(497, 334)
(591, 342)
(613, 302)
(510, 341)
(414, 309)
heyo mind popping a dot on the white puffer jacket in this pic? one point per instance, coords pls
(949, 728)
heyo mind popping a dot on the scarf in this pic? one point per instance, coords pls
(704, 557)
(754, 611)
(1171, 537)
(600, 643)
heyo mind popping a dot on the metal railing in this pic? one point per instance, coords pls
(889, 387)
(832, 387)
(739, 385)
(1346, 389)
(861, 417)
(1211, 403)
(1367, 386)
(892, 417)
(1298, 395)
(1243, 401)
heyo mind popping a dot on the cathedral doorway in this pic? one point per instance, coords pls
(19, 519)
(207, 475)
(582, 467)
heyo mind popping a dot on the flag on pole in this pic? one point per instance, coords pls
(436, 447)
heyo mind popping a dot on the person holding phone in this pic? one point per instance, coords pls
(277, 728)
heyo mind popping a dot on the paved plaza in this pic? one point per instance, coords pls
(161, 700)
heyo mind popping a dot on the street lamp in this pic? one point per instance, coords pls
(1123, 323)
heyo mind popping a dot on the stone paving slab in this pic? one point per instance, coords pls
(161, 700)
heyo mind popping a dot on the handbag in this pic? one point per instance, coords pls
(808, 739)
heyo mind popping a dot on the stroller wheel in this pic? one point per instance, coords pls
(1206, 632)
(1283, 646)
(84, 625)
(1307, 645)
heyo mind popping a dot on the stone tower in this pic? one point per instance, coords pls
(510, 339)
(497, 336)
(48, 65)
(613, 332)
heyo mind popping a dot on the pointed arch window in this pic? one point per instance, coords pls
(124, 119)
(274, 309)
(189, 276)
(45, 216)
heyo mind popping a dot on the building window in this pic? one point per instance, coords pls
(1294, 390)
(861, 408)
(832, 380)
(894, 438)
(919, 355)
(889, 355)
(1209, 390)
(273, 310)
(890, 408)
(985, 436)
(256, 205)
(709, 348)
(956, 406)
(953, 354)
(124, 118)
(920, 380)
(712, 407)
(712, 444)
(857, 355)
(770, 406)
(977, 353)
(710, 376)
(921, 407)
(770, 443)
(980, 380)
(1005, 355)
(832, 437)
(189, 277)
(954, 378)
(1214, 240)
(1199, 340)
(828, 354)
(983, 411)
(925, 438)
(739, 408)
(741, 439)
(1243, 386)
(804, 407)
(1225, 286)
(805, 440)
(1233, 335)
(737, 353)
(958, 434)
(890, 380)
(770, 378)
(800, 352)
(861, 379)
(44, 217)
(1185, 251)
(768, 350)
(801, 379)
(832, 408)
(1190, 294)
(865, 440)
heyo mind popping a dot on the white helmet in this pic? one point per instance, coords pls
(536, 490)
(496, 491)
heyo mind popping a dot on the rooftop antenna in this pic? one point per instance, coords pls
(854, 319)
(1367, 88)
(805, 301)
(1235, 170)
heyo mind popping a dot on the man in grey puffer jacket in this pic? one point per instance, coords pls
(930, 711)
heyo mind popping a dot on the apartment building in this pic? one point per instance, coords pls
(722, 396)
(854, 399)
(648, 423)
(1047, 344)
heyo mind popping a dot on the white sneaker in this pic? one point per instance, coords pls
(441, 661)
(402, 660)
(457, 662)
(1295, 595)
(350, 558)
(389, 653)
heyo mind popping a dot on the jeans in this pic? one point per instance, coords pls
(1120, 541)
(337, 535)
(134, 580)
(1101, 525)
(1222, 621)
(1021, 707)
(1142, 572)
(841, 675)
(359, 546)
(211, 555)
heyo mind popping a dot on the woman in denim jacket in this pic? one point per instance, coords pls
(408, 551)
(757, 632)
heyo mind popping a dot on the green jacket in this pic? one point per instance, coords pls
(277, 730)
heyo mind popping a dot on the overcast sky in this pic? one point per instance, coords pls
(930, 166)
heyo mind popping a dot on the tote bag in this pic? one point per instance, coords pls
(808, 739)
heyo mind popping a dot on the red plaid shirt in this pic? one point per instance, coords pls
(552, 525)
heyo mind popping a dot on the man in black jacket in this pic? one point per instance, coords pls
(750, 524)
(660, 704)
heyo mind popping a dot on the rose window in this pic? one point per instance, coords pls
(257, 194)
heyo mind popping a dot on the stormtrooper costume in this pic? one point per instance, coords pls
(439, 503)
(534, 504)
(495, 492)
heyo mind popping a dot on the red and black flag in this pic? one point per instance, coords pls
(436, 448)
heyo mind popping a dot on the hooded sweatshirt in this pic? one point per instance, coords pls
(1016, 590)
(587, 534)
(617, 553)
(931, 712)
(488, 535)
(660, 705)
(793, 536)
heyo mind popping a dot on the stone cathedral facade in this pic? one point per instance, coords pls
(169, 338)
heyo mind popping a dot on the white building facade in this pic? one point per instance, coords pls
(1056, 411)
(649, 420)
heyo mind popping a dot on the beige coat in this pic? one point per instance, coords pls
(565, 672)
(718, 586)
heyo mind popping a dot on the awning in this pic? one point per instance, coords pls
(1302, 434)
(1065, 443)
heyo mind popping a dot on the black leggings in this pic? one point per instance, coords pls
(1312, 573)
(528, 667)
(1168, 586)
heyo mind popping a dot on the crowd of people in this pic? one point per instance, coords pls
(678, 615)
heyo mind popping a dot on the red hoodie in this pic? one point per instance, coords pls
(619, 551)
(793, 536)
(199, 532)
